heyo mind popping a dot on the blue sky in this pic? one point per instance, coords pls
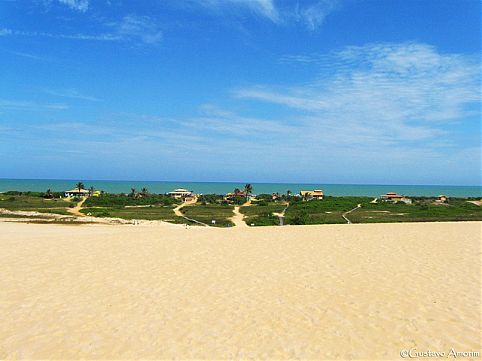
(320, 91)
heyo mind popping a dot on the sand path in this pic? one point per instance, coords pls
(76, 210)
(344, 215)
(177, 212)
(238, 217)
(281, 215)
(363, 291)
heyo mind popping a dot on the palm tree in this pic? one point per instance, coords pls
(133, 192)
(79, 186)
(144, 191)
(91, 191)
(288, 193)
(48, 194)
(248, 188)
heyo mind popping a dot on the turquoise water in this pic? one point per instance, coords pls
(372, 190)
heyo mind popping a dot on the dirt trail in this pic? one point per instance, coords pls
(76, 210)
(177, 210)
(351, 210)
(281, 215)
(238, 217)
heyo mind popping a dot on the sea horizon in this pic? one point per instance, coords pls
(221, 187)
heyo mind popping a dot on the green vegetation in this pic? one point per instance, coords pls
(206, 213)
(30, 201)
(210, 199)
(425, 210)
(161, 213)
(219, 199)
(328, 210)
(4, 215)
(61, 211)
(263, 198)
(122, 200)
(238, 200)
(248, 189)
(261, 213)
(143, 205)
(65, 222)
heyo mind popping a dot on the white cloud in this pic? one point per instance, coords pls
(396, 92)
(26, 55)
(28, 105)
(261, 7)
(133, 29)
(70, 93)
(97, 37)
(140, 28)
(4, 32)
(314, 15)
(79, 5)
(309, 12)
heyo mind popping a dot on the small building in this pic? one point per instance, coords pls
(314, 194)
(189, 198)
(442, 199)
(236, 193)
(392, 197)
(181, 193)
(77, 193)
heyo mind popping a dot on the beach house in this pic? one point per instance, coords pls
(181, 193)
(442, 199)
(77, 193)
(236, 193)
(392, 197)
(314, 194)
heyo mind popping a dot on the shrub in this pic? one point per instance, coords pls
(264, 197)
(300, 218)
(210, 198)
(238, 200)
(120, 200)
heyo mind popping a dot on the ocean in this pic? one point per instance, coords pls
(372, 190)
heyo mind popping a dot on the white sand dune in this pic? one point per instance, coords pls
(310, 292)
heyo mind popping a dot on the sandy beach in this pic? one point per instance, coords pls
(307, 292)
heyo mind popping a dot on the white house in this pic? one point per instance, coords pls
(77, 193)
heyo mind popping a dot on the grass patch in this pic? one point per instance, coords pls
(3, 215)
(58, 221)
(421, 211)
(122, 200)
(61, 211)
(262, 220)
(326, 211)
(30, 203)
(205, 213)
(261, 213)
(160, 213)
